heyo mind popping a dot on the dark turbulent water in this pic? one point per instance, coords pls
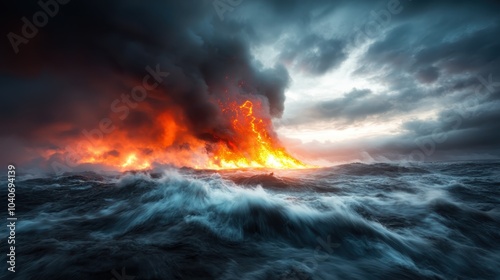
(355, 221)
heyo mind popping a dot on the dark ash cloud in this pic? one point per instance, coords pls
(90, 53)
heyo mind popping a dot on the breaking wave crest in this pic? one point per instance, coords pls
(354, 221)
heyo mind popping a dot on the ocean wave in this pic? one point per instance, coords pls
(359, 221)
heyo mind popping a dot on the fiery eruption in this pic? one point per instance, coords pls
(249, 143)
(252, 146)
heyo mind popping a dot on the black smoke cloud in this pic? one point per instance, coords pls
(64, 79)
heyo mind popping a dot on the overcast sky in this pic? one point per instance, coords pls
(392, 80)
(344, 80)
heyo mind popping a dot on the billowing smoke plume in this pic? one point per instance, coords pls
(70, 68)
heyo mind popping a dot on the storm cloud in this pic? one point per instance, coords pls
(439, 67)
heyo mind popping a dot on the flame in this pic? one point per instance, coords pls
(251, 143)
(253, 146)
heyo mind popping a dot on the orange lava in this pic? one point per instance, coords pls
(250, 143)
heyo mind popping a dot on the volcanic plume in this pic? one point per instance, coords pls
(247, 140)
(213, 110)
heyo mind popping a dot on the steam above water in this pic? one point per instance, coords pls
(356, 221)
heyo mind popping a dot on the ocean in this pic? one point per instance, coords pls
(436, 220)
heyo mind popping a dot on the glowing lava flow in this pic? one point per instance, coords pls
(252, 145)
(248, 142)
